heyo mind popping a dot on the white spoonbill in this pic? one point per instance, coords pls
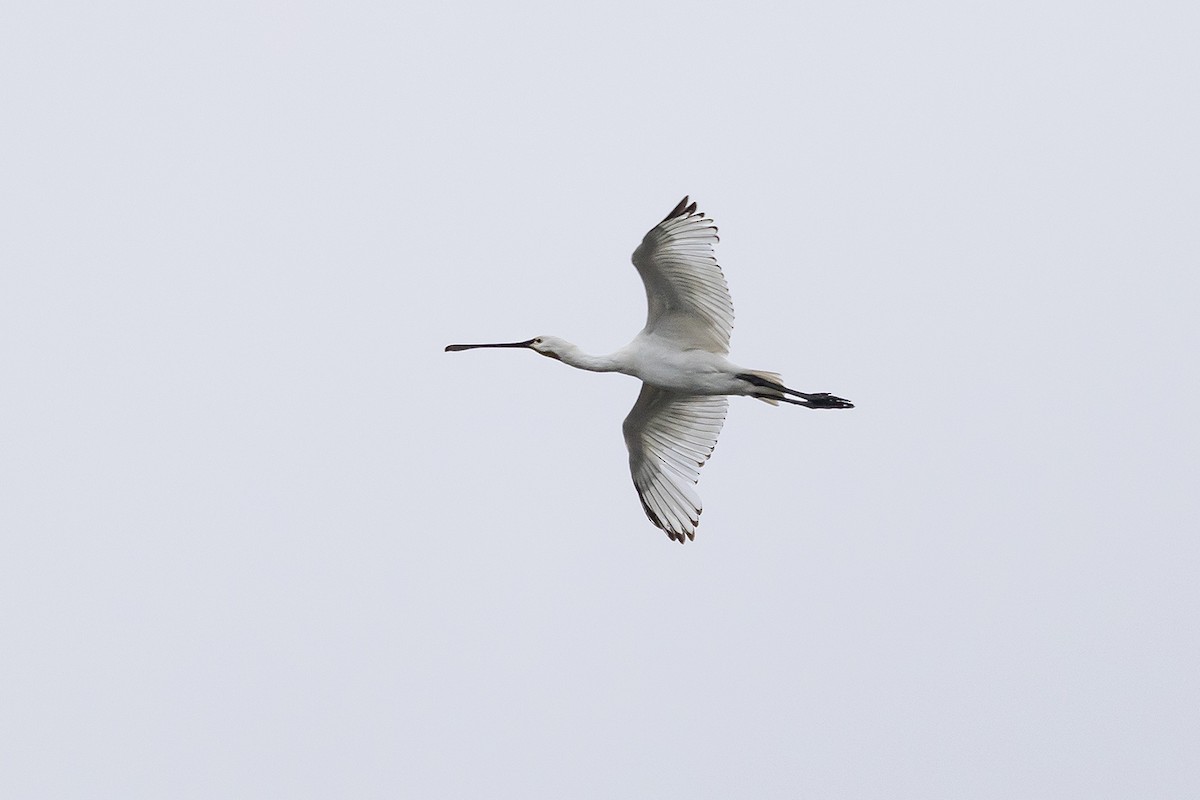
(680, 358)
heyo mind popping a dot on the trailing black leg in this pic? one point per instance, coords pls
(817, 400)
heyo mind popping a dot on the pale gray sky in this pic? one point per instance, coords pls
(262, 538)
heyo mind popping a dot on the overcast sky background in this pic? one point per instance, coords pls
(263, 538)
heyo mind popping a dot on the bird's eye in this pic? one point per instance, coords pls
(537, 340)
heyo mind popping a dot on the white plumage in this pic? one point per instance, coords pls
(687, 299)
(670, 436)
(680, 358)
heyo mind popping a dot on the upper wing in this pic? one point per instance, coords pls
(686, 293)
(670, 436)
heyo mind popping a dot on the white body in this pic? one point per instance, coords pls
(660, 364)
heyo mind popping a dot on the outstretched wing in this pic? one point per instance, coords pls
(686, 294)
(670, 436)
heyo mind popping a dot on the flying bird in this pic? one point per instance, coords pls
(680, 358)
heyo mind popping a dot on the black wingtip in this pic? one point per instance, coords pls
(680, 209)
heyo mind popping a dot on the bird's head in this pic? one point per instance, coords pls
(551, 346)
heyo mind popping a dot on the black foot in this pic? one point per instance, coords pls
(826, 400)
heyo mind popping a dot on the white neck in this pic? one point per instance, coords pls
(581, 360)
